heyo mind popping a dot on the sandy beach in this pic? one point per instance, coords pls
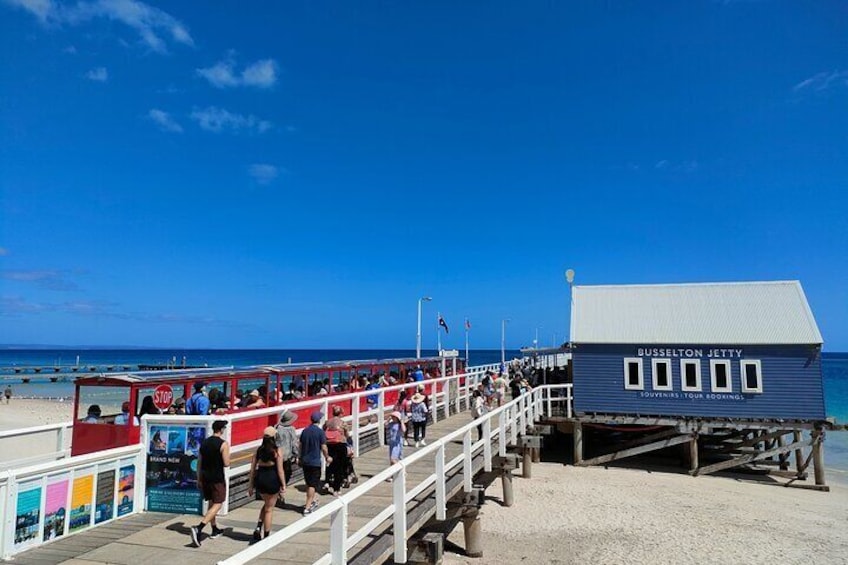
(568, 514)
(26, 413)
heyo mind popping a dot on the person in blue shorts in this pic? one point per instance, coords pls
(313, 444)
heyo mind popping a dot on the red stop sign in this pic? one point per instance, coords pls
(163, 397)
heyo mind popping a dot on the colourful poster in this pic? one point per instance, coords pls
(126, 489)
(27, 513)
(56, 507)
(172, 469)
(104, 508)
(80, 515)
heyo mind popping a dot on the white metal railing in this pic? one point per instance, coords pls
(130, 463)
(508, 420)
(62, 444)
(374, 416)
(75, 484)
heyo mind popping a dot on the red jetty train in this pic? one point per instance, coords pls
(103, 403)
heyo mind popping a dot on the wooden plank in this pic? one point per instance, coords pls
(752, 441)
(749, 458)
(637, 450)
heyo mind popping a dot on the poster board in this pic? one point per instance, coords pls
(171, 474)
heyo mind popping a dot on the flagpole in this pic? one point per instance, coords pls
(466, 342)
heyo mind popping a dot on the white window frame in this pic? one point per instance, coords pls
(654, 363)
(744, 377)
(714, 376)
(683, 386)
(627, 385)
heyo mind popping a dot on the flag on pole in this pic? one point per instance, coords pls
(467, 324)
(443, 324)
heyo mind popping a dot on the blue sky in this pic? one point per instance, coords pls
(297, 174)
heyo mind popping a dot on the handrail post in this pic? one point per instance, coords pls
(446, 393)
(513, 424)
(60, 439)
(399, 499)
(338, 535)
(568, 400)
(458, 400)
(434, 395)
(467, 483)
(522, 412)
(441, 502)
(502, 419)
(548, 394)
(487, 445)
(355, 415)
(381, 417)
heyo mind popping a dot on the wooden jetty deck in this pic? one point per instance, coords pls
(156, 539)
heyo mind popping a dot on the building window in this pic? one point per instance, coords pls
(752, 376)
(661, 373)
(690, 375)
(633, 378)
(720, 375)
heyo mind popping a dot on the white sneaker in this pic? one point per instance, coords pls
(423, 442)
(416, 444)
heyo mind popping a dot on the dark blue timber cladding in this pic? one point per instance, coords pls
(791, 380)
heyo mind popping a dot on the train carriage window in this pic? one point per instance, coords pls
(690, 375)
(101, 404)
(661, 374)
(752, 376)
(633, 376)
(720, 375)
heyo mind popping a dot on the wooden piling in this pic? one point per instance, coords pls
(693, 454)
(527, 463)
(818, 457)
(506, 484)
(473, 534)
(799, 453)
(578, 443)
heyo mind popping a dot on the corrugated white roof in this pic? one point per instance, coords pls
(774, 312)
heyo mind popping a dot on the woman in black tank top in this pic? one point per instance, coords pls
(266, 477)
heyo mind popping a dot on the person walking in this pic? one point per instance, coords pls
(198, 404)
(337, 435)
(478, 408)
(287, 442)
(313, 444)
(402, 406)
(394, 437)
(267, 478)
(418, 411)
(8, 393)
(214, 456)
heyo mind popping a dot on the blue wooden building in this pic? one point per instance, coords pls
(740, 351)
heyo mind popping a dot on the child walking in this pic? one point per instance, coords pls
(394, 437)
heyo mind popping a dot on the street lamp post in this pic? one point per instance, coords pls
(503, 340)
(418, 336)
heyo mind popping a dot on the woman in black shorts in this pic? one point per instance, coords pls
(267, 478)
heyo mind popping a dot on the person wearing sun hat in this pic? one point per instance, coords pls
(287, 442)
(313, 444)
(418, 411)
(394, 437)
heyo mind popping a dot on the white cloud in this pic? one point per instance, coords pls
(41, 9)
(263, 173)
(822, 81)
(164, 121)
(151, 24)
(100, 74)
(216, 120)
(223, 74)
